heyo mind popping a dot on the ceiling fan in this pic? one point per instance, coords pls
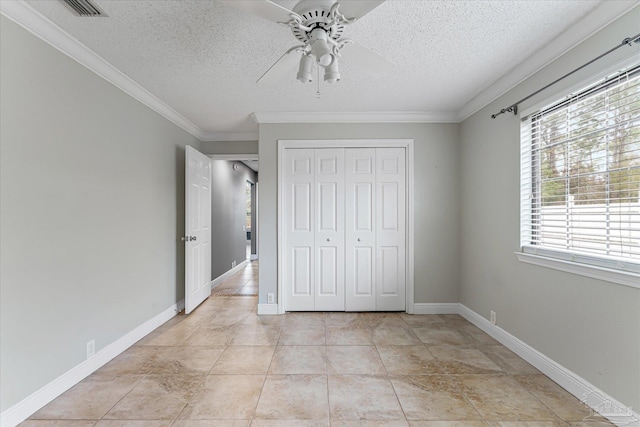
(318, 25)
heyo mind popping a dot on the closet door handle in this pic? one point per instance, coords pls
(328, 239)
(358, 239)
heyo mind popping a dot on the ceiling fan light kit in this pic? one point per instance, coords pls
(319, 25)
(304, 72)
(320, 47)
(331, 73)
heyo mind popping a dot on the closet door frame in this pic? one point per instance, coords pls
(407, 144)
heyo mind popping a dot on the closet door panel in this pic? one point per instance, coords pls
(390, 229)
(299, 241)
(329, 232)
(389, 212)
(364, 272)
(301, 265)
(360, 235)
(389, 270)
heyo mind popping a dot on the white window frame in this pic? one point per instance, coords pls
(597, 267)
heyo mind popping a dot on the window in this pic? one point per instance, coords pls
(580, 176)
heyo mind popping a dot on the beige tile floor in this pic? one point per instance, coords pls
(244, 282)
(224, 365)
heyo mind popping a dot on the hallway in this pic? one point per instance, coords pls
(242, 283)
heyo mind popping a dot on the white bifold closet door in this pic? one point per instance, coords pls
(344, 237)
(314, 235)
(375, 211)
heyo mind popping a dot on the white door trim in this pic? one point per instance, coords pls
(348, 143)
(233, 157)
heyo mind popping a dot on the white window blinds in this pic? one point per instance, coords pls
(580, 176)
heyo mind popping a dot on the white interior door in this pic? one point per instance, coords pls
(360, 237)
(390, 229)
(329, 235)
(197, 229)
(299, 240)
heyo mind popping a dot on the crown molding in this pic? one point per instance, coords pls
(356, 117)
(228, 136)
(37, 24)
(604, 14)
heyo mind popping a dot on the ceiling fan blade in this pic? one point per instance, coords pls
(286, 62)
(263, 8)
(358, 8)
(368, 60)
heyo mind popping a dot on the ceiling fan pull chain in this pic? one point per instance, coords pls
(318, 94)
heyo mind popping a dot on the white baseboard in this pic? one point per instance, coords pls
(436, 308)
(589, 394)
(32, 403)
(267, 309)
(253, 257)
(225, 276)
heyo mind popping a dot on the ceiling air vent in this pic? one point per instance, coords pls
(84, 8)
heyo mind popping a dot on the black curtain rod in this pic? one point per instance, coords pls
(513, 108)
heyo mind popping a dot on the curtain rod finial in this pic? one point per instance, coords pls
(513, 108)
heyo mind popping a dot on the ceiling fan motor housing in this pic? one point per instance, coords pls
(316, 14)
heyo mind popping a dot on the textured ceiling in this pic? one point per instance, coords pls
(202, 58)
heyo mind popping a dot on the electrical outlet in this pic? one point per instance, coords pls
(493, 317)
(271, 298)
(91, 348)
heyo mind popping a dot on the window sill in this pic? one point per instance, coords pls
(609, 275)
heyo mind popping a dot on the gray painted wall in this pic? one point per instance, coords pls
(230, 147)
(92, 208)
(228, 214)
(436, 187)
(590, 326)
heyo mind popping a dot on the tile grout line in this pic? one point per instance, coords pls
(144, 376)
(540, 401)
(253, 417)
(326, 371)
(395, 392)
(197, 389)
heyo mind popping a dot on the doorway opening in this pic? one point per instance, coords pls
(249, 220)
(234, 224)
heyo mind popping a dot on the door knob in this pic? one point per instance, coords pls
(328, 239)
(358, 239)
(192, 238)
